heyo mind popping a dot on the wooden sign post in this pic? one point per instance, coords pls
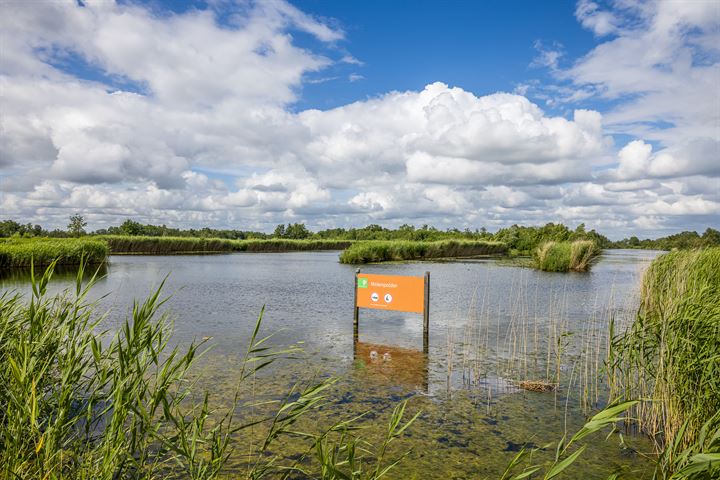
(393, 292)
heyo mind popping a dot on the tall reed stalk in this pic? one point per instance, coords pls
(77, 402)
(670, 355)
(574, 256)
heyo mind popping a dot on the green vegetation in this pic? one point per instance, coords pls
(520, 240)
(175, 245)
(80, 403)
(379, 251)
(566, 256)
(21, 252)
(679, 241)
(670, 356)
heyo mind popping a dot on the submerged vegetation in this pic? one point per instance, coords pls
(378, 251)
(566, 256)
(80, 403)
(22, 252)
(671, 356)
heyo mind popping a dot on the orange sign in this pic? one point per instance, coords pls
(391, 292)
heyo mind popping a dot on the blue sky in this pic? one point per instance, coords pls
(245, 114)
(484, 47)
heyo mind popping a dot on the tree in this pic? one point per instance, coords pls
(297, 231)
(279, 231)
(77, 225)
(130, 227)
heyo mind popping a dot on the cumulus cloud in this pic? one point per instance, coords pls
(115, 111)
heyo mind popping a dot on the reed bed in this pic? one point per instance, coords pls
(121, 244)
(522, 339)
(22, 252)
(670, 355)
(574, 256)
(384, 251)
(77, 402)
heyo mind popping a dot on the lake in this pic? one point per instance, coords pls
(492, 324)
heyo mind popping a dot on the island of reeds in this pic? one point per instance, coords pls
(566, 256)
(41, 251)
(398, 250)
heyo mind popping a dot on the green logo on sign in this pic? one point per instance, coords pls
(362, 283)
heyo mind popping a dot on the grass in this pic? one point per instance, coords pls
(574, 256)
(671, 356)
(121, 244)
(22, 252)
(383, 251)
(78, 402)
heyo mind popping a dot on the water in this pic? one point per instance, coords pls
(491, 325)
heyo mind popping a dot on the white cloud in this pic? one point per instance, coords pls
(591, 17)
(180, 119)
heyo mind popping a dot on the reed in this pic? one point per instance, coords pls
(574, 256)
(126, 244)
(22, 252)
(384, 251)
(669, 355)
(82, 403)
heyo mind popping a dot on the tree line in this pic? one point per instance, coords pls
(519, 239)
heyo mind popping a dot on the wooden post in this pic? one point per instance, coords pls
(426, 315)
(356, 315)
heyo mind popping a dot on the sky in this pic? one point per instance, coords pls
(243, 114)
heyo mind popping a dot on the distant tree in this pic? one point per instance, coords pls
(77, 225)
(711, 238)
(297, 231)
(130, 227)
(279, 231)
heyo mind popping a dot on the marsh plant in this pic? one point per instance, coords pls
(126, 244)
(398, 250)
(24, 252)
(670, 356)
(78, 402)
(574, 256)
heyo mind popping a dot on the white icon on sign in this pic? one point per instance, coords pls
(375, 297)
(388, 298)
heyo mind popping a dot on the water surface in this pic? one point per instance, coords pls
(491, 325)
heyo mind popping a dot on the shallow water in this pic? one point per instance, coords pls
(491, 325)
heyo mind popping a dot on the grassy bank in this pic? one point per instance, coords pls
(566, 256)
(125, 244)
(77, 403)
(671, 355)
(381, 251)
(22, 252)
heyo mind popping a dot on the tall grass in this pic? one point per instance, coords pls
(77, 402)
(566, 256)
(22, 252)
(382, 251)
(671, 356)
(125, 244)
